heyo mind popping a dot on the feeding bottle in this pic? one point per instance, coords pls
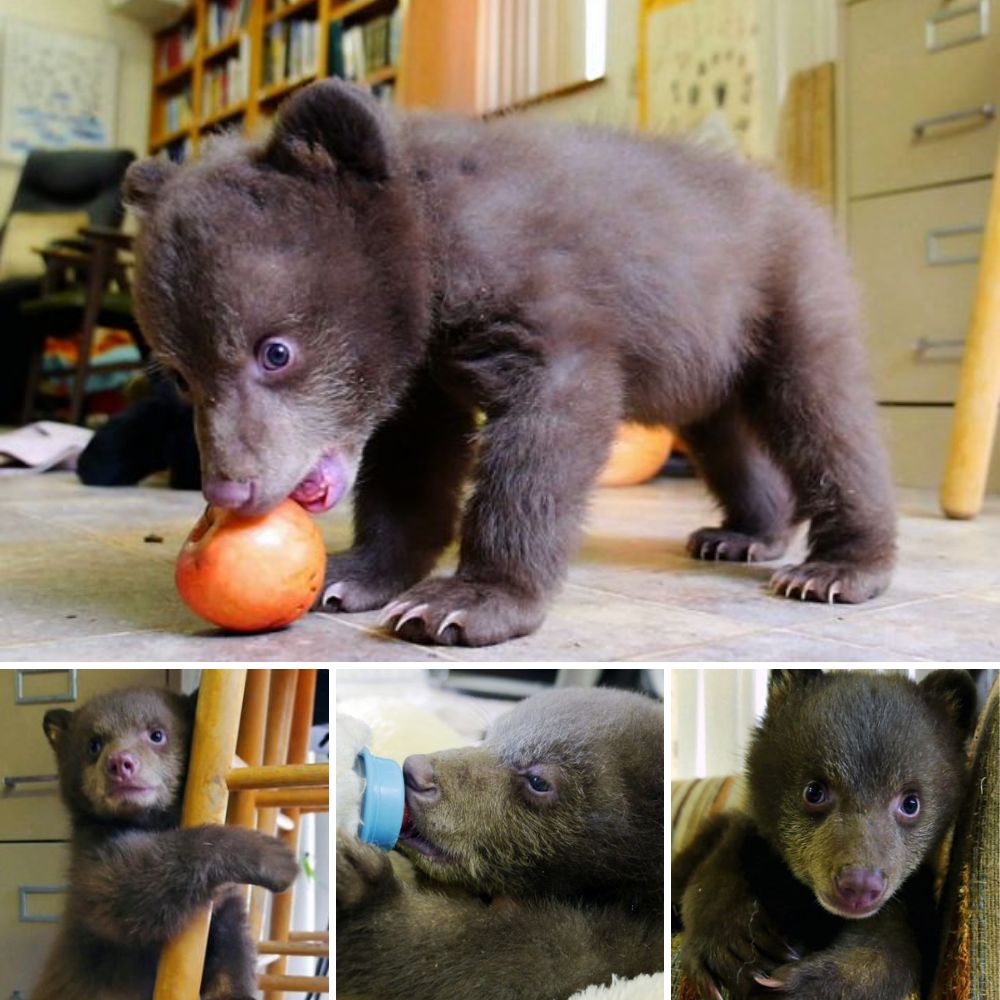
(383, 802)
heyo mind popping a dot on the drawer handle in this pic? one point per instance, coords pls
(985, 111)
(24, 891)
(924, 346)
(982, 7)
(20, 698)
(13, 780)
(935, 256)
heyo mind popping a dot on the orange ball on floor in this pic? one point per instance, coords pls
(252, 574)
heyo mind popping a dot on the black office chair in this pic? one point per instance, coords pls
(56, 181)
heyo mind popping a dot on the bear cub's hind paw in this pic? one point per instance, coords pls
(723, 545)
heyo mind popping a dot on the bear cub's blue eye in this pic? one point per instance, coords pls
(274, 354)
(94, 746)
(910, 805)
(157, 735)
(538, 784)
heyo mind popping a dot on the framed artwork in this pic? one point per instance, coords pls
(57, 90)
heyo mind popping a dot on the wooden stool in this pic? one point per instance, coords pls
(274, 736)
(978, 399)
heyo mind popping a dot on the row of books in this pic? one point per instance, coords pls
(363, 49)
(223, 18)
(177, 111)
(289, 50)
(175, 48)
(226, 83)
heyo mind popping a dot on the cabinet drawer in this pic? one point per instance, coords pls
(33, 811)
(25, 944)
(916, 257)
(920, 61)
(917, 438)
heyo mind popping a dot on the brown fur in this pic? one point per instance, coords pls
(766, 898)
(421, 268)
(519, 894)
(135, 878)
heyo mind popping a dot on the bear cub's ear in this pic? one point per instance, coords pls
(56, 725)
(331, 124)
(143, 181)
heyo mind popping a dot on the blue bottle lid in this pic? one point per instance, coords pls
(383, 800)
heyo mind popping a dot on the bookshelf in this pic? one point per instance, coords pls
(230, 63)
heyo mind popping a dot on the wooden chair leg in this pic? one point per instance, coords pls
(978, 399)
(206, 796)
(276, 736)
(298, 748)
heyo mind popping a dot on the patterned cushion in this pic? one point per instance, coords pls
(970, 967)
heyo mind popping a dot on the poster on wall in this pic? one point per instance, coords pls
(57, 91)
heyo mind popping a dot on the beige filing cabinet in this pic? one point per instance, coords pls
(33, 825)
(918, 134)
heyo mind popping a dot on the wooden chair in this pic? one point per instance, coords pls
(974, 428)
(86, 285)
(271, 738)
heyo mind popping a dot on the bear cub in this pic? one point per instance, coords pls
(135, 877)
(823, 889)
(529, 867)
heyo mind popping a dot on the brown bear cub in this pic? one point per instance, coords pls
(824, 889)
(343, 299)
(533, 863)
(134, 877)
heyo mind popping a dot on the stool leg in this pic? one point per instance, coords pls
(216, 725)
(298, 749)
(975, 423)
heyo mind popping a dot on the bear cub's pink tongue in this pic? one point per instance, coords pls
(323, 486)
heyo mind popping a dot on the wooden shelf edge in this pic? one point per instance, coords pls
(230, 111)
(232, 42)
(276, 90)
(171, 137)
(174, 75)
(280, 15)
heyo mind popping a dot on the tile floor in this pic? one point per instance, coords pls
(78, 582)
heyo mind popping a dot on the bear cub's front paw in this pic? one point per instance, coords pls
(364, 874)
(269, 862)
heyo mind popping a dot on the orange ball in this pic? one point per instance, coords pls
(638, 454)
(252, 574)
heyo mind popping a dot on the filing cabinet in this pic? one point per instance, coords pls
(920, 109)
(33, 827)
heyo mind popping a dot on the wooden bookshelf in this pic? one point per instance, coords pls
(224, 64)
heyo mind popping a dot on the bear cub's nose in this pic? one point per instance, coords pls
(859, 888)
(418, 774)
(122, 766)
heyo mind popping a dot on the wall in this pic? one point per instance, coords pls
(794, 34)
(135, 63)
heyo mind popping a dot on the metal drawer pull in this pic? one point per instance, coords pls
(982, 7)
(13, 780)
(925, 345)
(935, 256)
(24, 891)
(20, 698)
(985, 111)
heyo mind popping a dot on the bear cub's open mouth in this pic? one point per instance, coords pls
(324, 485)
(410, 837)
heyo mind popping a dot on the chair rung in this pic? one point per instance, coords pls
(320, 949)
(292, 798)
(310, 936)
(278, 776)
(305, 984)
